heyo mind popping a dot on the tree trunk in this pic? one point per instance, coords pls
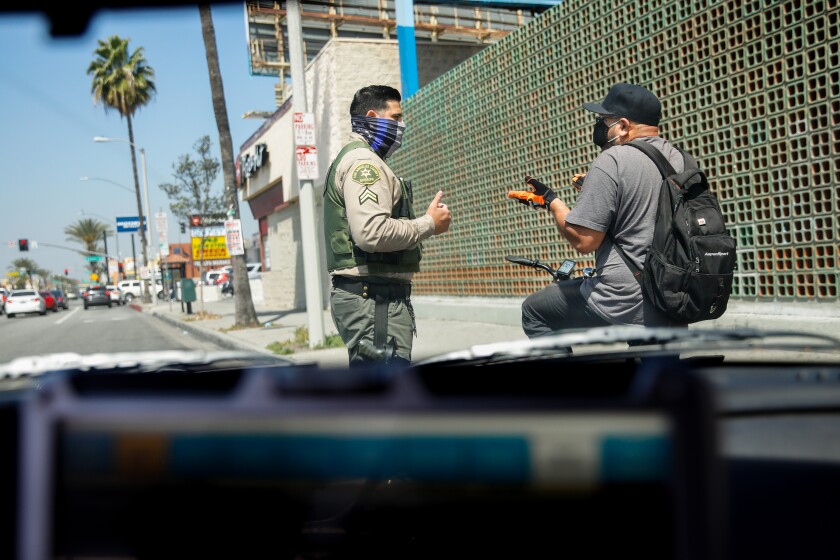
(245, 313)
(147, 297)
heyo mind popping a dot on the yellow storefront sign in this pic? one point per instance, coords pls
(214, 248)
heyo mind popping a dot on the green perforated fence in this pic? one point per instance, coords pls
(752, 89)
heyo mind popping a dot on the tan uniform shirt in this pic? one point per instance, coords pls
(371, 191)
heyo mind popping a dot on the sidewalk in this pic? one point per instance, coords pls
(438, 330)
(446, 324)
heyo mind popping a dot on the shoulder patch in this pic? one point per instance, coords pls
(365, 174)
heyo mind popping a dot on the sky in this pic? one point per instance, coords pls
(48, 121)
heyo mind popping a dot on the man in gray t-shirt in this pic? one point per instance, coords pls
(619, 199)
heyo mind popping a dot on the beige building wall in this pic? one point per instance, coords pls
(283, 286)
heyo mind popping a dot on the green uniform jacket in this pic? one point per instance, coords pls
(369, 223)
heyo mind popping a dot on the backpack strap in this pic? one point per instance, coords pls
(664, 166)
(666, 170)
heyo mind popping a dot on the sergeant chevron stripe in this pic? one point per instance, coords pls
(368, 194)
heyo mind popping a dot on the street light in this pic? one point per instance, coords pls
(147, 244)
(116, 235)
(107, 181)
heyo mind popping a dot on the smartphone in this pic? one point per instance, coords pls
(578, 183)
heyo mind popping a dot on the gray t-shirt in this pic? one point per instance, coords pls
(620, 196)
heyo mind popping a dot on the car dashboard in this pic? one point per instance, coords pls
(639, 453)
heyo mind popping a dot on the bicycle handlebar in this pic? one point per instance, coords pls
(532, 263)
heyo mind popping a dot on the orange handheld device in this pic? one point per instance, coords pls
(528, 197)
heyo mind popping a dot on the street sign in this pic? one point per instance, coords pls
(307, 162)
(304, 124)
(93, 258)
(207, 220)
(129, 224)
(215, 248)
(233, 237)
(161, 226)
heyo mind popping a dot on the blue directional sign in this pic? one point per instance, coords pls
(131, 223)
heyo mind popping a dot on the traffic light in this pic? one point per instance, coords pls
(183, 227)
(66, 272)
(23, 244)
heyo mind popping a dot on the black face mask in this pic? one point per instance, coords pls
(599, 134)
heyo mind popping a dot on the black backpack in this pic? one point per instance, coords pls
(688, 270)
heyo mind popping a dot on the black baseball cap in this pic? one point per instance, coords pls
(630, 101)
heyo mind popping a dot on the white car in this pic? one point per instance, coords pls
(221, 275)
(254, 270)
(211, 277)
(25, 301)
(116, 294)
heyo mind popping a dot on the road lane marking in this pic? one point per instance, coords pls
(66, 316)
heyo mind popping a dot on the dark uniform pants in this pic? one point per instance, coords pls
(353, 307)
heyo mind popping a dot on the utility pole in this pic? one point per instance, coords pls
(107, 263)
(308, 224)
(134, 256)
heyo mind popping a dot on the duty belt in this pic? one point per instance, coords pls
(379, 292)
(367, 289)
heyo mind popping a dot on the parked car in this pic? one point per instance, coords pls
(132, 289)
(25, 301)
(212, 277)
(222, 275)
(50, 301)
(60, 299)
(97, 295)
(115, 293)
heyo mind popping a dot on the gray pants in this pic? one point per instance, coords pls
(354, 319)
(556, 307)
(560, 306)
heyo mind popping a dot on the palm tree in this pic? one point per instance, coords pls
(43, 278)
(245, 314)
(125, 83)
(27, 265)
(88, 232)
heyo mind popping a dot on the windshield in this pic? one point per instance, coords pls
(86, 167)
(434, 327)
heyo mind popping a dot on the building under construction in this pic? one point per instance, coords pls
(471, 26)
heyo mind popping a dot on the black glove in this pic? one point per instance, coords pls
(541, 190)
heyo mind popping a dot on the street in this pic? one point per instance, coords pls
(97, 329)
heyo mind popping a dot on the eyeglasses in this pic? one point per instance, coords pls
(601, 118)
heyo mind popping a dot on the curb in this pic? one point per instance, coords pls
(212, 336)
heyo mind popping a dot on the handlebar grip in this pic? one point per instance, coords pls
(520, 260)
